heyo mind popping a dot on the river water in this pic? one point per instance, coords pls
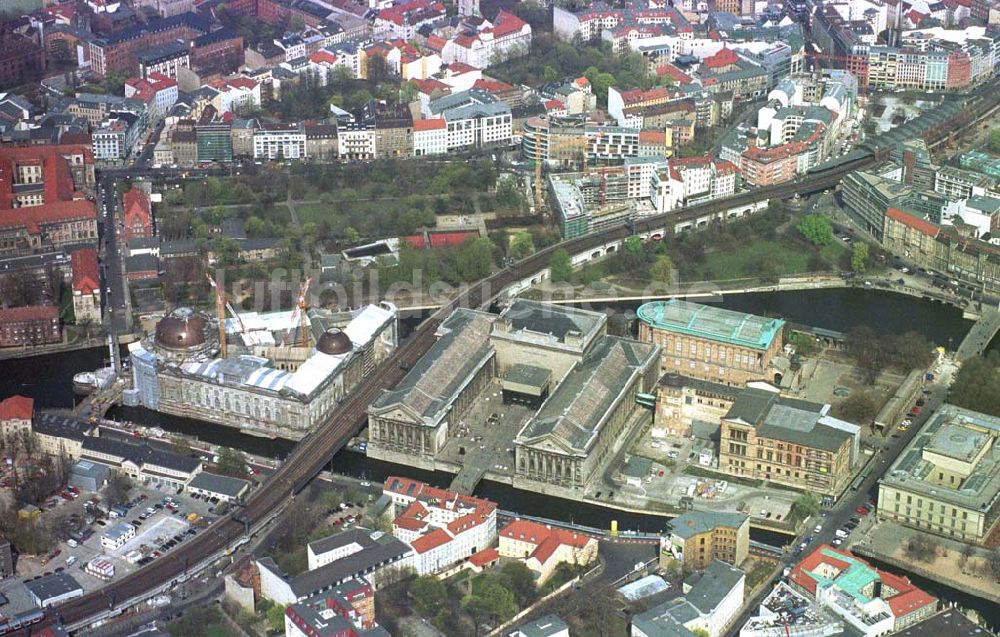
(48, 379)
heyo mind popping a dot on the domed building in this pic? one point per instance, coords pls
(269, 384)
(185, 330)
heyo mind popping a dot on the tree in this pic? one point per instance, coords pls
(473, 259)
(859, 257)
(859, 407)
(522, 244)
(231, 461)
(662, 269)
(116, 492)
(994, 140)
(817, 229)
(491, 602)
(866, 348)
(560, 266)
(378, 68)
(921, 547)
(977, 384)
(429, 594)
(806, 505)
(276, 617)
(521, 581)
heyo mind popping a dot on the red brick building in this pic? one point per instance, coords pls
(117, 52)
(22, 60)
(44, 197)
(222, 49)
(32, 325)
(138, 214)
(86, 286)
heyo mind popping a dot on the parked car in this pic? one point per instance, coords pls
(861, 510)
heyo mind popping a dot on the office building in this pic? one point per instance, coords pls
(696, 538)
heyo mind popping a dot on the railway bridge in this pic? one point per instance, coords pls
(316, 449)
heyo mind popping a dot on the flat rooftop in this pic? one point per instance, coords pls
(958, 441)
(712, 323)
(957, 430)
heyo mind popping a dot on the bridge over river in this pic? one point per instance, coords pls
(980, 335)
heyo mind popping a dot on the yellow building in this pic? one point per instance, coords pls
(947, 480)
(698, 537)
(795, 442)
(543, 548)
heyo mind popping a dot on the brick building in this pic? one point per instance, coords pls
(765, 436)
(118, 52)
(711, 343)
(32, 325)
(86, 286)
(22, 60)
(138, 214)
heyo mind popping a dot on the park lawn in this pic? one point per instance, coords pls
(833, 253)
(315, 211)
(781, 257)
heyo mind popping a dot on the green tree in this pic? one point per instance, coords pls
(521, 581)
(560, 266)
(806, 505)
(231, 461)
(429, 594)
(522, 244)
(662, 269)
(474, 259)
(977, 384)
(492, 601)
(994, 140)
(817, 229)
(549, 74)
(860, 407)
(859, 257)
(227, 251)
(276, 617)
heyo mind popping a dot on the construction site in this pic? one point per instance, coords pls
(274, 374)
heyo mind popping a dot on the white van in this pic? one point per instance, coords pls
(71, 560)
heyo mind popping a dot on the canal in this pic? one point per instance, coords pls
(48, 379)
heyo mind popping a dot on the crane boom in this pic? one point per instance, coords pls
(299, 317)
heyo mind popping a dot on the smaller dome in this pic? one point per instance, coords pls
(334, 343)
(183, 328)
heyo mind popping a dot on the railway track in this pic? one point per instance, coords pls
(315, 450)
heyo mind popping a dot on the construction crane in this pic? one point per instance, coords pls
(299, 317)
(221, 305)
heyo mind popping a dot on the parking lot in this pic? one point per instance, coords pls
(160, 524)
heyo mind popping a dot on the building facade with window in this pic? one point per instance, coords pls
(711, 343)
(766, 436)
(947, 480)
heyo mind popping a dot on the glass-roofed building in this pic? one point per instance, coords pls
(947, 480)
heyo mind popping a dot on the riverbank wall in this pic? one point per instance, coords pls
(910, 566)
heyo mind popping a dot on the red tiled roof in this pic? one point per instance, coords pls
(57, 179)
(86, 277)
(29, 313)
(136, 204)
(16, 408)
(920, 225)
(323, 56)
(56, 212)
(485, 557)
(429, 541)
(425, 125)
(724, 57)
(545, 538)
(652, 137)
(436, 42)
(554, 105)
(457, 68)
(506, 23)
(494, 86)
(675, 73)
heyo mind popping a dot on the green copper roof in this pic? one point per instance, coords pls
(852, 581)
(713, 323)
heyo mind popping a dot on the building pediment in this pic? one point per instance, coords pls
(397, 413)
(548, 444)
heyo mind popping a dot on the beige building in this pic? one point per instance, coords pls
(947, 480)
(559, 359)
(543, 548)
(712, 343)
(681, 400)
(765, 436)
(698, 537)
